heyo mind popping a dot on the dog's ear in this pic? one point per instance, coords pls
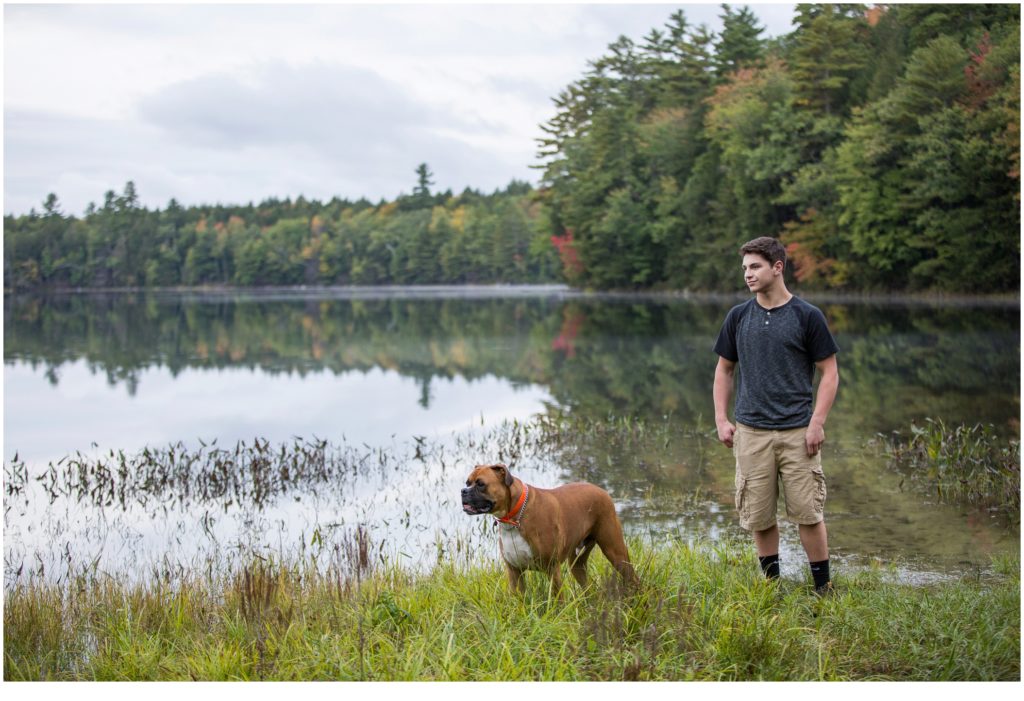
(503, 472)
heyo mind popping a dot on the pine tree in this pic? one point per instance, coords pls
(424, 179)
(830, 50)
(739, 44)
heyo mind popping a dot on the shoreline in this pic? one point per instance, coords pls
(498, 291)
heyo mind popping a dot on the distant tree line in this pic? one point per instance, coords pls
(416, 239)
(881, 145)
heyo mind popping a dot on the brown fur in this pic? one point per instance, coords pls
(560, 525)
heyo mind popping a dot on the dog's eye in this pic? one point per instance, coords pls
(480, 484)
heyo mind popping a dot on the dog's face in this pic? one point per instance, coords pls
(486, 487)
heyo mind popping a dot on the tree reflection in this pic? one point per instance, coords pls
(598, 356)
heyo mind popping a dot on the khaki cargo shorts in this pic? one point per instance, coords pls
(764, 456)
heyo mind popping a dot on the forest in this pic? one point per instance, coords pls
(880, 143)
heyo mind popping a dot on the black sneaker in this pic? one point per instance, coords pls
(825, 591)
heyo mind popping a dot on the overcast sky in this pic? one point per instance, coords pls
(236, 103)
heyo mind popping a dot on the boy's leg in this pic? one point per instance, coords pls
(757, 493)
(804, 484)
(814, 538)
(767, 543)
(815, 541)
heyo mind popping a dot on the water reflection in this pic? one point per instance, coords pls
(597, 355)
(421, 378)
(45, 421)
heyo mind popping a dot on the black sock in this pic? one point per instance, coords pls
(770, 566)
(819, 570)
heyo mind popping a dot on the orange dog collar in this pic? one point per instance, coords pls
(518, 509)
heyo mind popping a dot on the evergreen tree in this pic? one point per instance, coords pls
(830, 49)
(739, 43)
(689, 74)
(424, 179)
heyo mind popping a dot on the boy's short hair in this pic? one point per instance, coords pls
(769, 248)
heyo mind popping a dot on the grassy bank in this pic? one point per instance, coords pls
(703, 614)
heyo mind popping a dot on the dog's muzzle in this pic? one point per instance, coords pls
(474, 503)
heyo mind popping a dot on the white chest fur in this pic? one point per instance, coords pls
(514, 548)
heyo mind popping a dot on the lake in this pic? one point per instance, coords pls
(394, 394)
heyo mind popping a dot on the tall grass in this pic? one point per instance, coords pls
(962, 463)
(702, 613)
(257, 472)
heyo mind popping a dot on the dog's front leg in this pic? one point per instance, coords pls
(515, 579)
(554, 571)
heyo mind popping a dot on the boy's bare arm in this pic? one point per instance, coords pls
(724, 373)
(828, 387)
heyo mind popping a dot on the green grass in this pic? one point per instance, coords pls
(703, 613)
(961, 463)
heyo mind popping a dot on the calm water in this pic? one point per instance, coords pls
(416, 387)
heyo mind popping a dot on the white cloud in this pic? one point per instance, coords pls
(234, 103)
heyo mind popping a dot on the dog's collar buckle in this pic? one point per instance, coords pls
(518, 509)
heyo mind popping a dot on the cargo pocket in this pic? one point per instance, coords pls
(820, 491)
(741, 496)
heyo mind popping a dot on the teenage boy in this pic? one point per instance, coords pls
(777, 340)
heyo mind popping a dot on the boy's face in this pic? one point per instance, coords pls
(759, 274)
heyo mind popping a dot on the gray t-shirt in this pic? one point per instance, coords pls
(776, 351)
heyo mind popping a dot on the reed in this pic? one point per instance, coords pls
(703, 613)
(961, 463)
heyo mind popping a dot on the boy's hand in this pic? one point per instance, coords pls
(725, 433)
(814, 438)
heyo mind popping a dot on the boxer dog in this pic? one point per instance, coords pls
(542, 528)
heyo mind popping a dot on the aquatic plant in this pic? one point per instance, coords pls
(256, 472)
(961, 463)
